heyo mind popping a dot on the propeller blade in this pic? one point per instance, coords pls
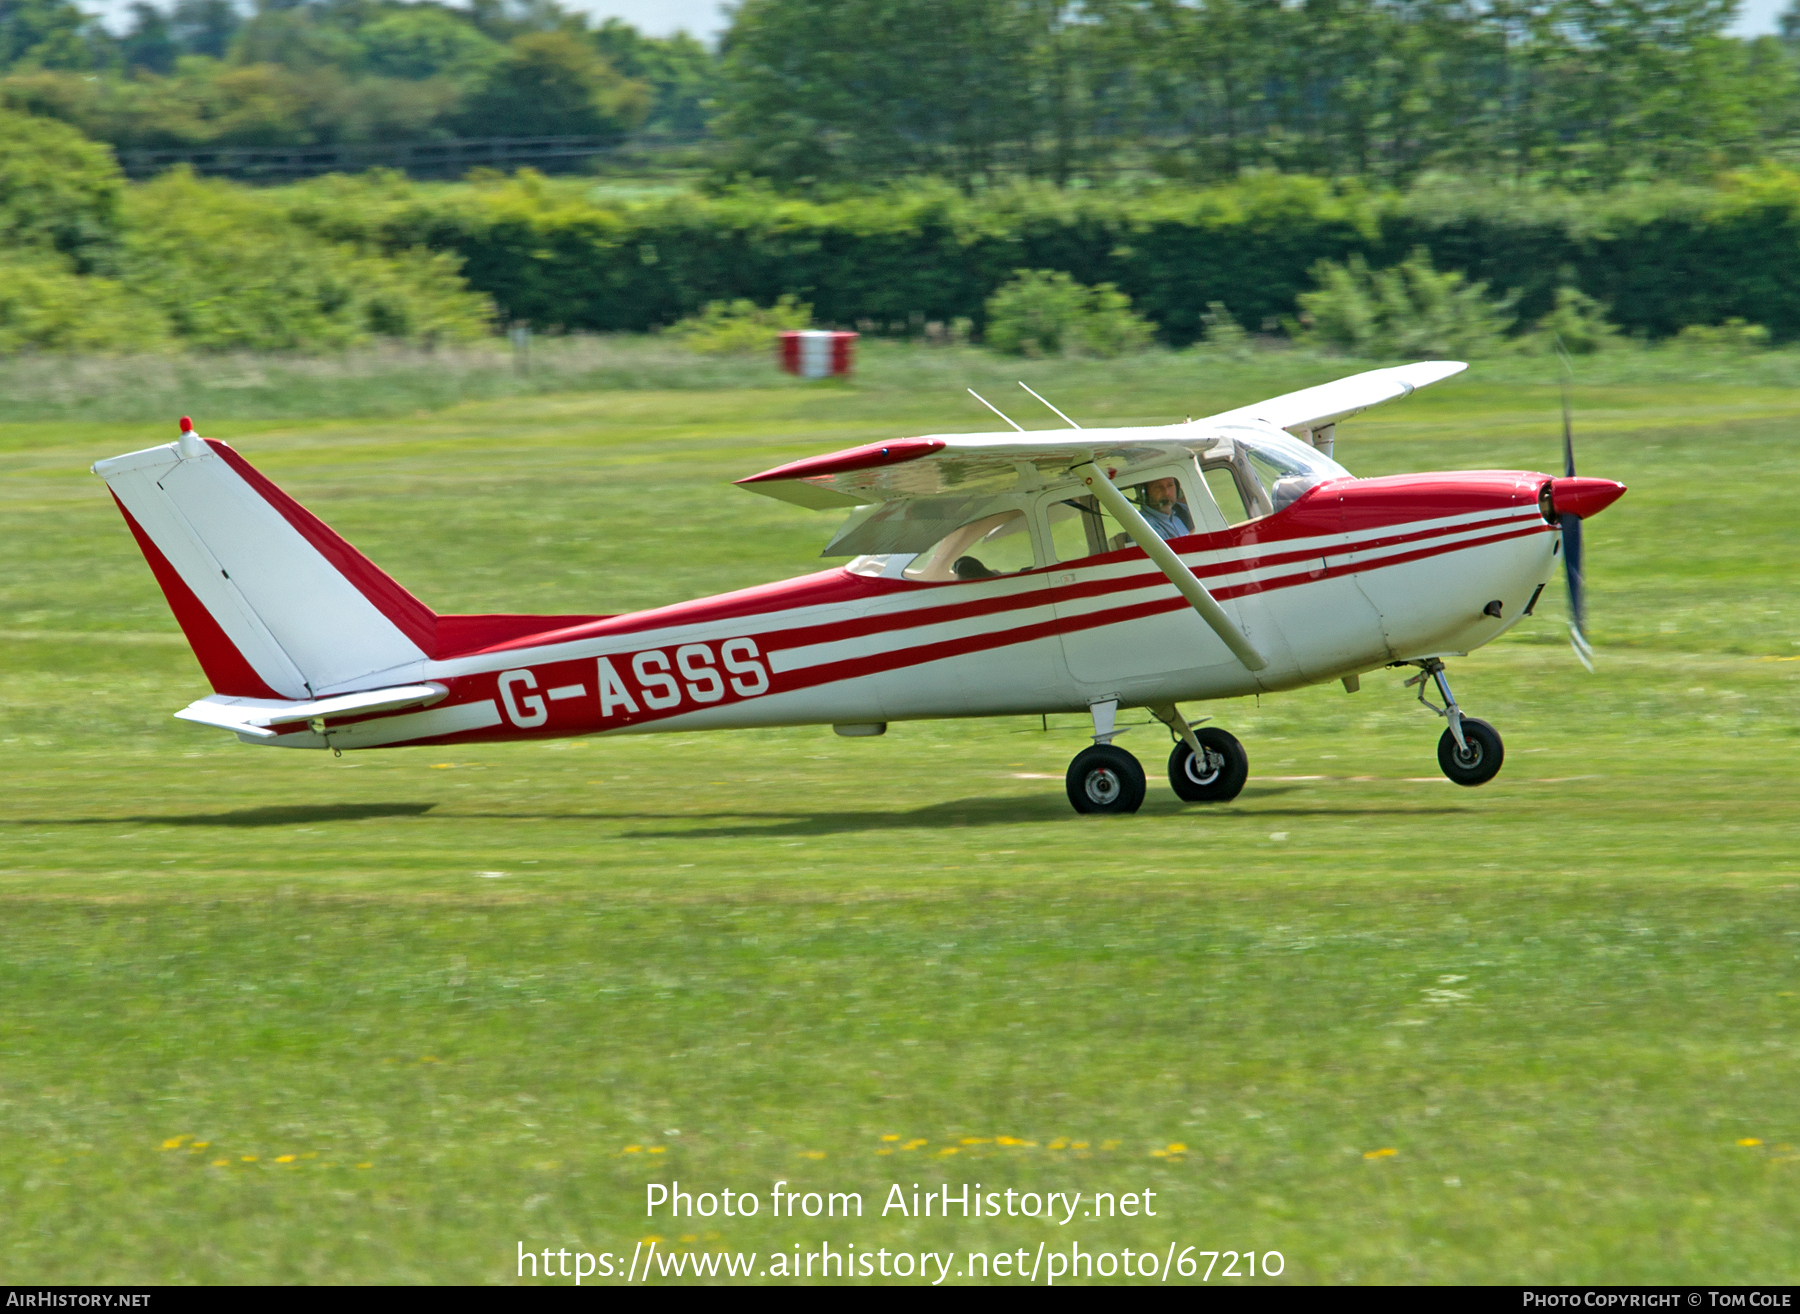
(1572, 567)
(1571, 530)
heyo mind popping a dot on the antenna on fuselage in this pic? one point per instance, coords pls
(995, 409)
(1065, 419)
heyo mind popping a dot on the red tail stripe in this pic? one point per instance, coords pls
(227, 670)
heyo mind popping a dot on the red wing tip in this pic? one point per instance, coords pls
(187, 424)
(867, 457)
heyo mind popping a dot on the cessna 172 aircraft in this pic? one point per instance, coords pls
(991, 574)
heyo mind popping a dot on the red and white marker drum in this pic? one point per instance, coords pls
(817, 353)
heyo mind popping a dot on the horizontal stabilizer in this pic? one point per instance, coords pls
(256, 716)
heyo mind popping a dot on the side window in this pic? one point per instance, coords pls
(1075, 528)
(1222, 483)
(999, 544)
(1081, 527)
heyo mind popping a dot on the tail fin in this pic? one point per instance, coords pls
(274, 603)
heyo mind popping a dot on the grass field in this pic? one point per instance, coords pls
(279, 1017)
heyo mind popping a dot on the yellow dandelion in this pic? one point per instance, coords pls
(365, 1165)
(975, 1140)
(913, 1145)
(649, 1240)
(947, 1150)
(1385, 1152)
(1078, 1145)
(885, 1150)
(1159, 1154)
(689, 1238)
(1060, 1143)
(199, 1145)
(657, 1149)
(221, 1163)
(812, 1154)
(633, 1149)
(1749, 1140)
(1176, 1147)
(1009, 1140)
(173, 1143)
(249, 1158)
(890, 1137)
(442, 766)
(286, 1158)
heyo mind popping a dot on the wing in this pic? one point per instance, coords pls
(1314, 408)
(970, 463)
(966, 464)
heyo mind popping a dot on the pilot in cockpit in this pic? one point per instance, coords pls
(1163, 508)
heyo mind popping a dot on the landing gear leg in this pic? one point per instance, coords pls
(1207, 765)
(1104, 778)
(1470, 751)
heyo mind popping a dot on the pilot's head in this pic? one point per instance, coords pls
(1161, 495)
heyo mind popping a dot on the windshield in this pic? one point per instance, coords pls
(1270, 469)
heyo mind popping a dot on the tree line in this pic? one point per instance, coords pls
(827, 95)
(305, 72)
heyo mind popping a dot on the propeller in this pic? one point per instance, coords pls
(1571, 533)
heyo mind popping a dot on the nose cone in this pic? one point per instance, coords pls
(1583, 497)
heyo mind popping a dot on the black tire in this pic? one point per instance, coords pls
(1105, 779)
(1220, 778)
(1481, 763)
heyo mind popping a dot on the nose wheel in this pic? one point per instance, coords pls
(1218, 777)
(1469, 751)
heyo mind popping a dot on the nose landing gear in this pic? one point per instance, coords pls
(1469, 751)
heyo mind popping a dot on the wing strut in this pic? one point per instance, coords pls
(1164, 556)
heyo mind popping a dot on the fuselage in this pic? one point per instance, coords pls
(1353, 575)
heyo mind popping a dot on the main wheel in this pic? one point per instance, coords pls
(1217, 779)
(1105, 779)
(1480, 761)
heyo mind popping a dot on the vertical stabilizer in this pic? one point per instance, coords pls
(274, 603)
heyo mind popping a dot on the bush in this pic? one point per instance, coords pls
(229, 271)
(1733, 336)
(46, 307)
(1578, 325)
(1221, 332)
(1410, 310)
(1045, 313)
(58, 190)
(740, 327)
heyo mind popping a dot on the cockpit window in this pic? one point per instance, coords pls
(999, 544)
(1252, 473)
(1081, 527)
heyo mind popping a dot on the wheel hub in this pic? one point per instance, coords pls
(1204, 773)
(1103, 785)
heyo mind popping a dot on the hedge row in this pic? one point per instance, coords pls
(1662, 259)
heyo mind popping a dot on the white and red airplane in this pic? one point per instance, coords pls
(992, 574)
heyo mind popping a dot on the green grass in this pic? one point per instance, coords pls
(1562, 1000)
